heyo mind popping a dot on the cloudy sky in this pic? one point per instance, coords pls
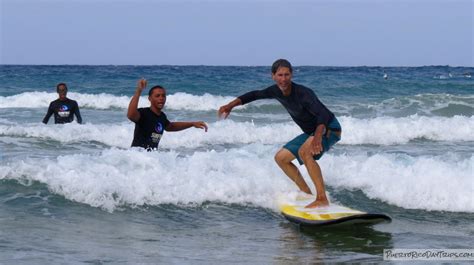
(157, 32)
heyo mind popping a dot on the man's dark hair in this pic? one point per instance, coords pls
(281, 63)
(153, 88)
(60, 84)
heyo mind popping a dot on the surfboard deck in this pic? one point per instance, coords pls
(295, 211)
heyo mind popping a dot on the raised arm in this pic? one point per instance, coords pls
(132, 113)
(182, 125)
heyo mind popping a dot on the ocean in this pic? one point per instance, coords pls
(77, 193)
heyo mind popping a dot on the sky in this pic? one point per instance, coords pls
(230, 32)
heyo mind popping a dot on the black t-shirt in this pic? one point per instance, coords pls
(302, 104)
(149, 129)
(64, 111)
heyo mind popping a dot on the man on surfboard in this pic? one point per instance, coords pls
(321, 129)
(151, 122)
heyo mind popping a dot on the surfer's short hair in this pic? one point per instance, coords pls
(60, 84)
(153, 88)
(281, 63)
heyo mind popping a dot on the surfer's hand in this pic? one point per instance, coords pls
(224, 111)
(141, 84)
(200, 125)
(316, 145)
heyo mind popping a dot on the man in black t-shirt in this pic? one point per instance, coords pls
(151, 122)
(321, 130)
(63, 108)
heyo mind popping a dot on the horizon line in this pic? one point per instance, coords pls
(210, 65)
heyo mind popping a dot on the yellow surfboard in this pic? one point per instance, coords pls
(333, 214)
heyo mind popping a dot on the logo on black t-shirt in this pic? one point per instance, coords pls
(63, 111)
(156, 136)
(159, 128)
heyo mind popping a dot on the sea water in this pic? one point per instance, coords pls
(77, 193)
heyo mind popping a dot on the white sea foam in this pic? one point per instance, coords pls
(378, 131)
(116, 178)
(422, 103)
(120, 135)
(42, 100)
(389, 130)
(135, 177)
(177, 101)
(206, 102)
(431, 183)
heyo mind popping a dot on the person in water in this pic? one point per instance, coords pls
(151, 122)
(63, 108)
(321, 129)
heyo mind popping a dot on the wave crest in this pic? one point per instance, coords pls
(378, 131)
(446, 105)
(116, 178)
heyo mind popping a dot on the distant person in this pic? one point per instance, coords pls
(63, 108)
(151, 122)
(321, 130)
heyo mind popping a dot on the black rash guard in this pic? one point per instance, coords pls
(149, 129)
(64, 111)
(302, 104)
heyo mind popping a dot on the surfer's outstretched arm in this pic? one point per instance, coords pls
(225, 110)
(248, 97)
(183, 125)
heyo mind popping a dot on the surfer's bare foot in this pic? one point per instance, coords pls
(317, 203)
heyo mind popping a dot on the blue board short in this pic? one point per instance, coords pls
(328, 140)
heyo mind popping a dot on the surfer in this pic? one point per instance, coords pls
(151, 122)
(321, 129)
(63, 108)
